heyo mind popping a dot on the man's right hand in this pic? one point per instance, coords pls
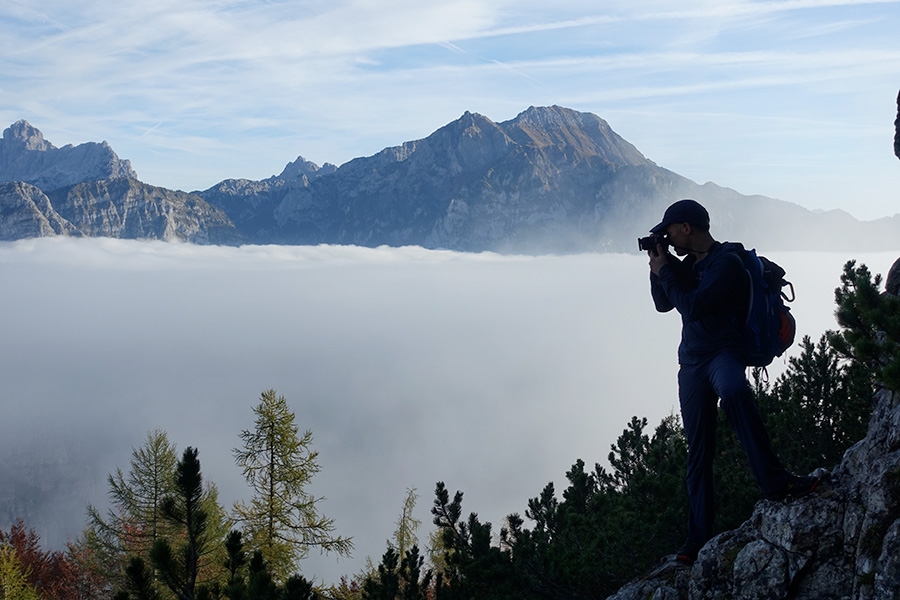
(660, 258)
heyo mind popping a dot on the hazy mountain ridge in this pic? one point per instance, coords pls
(550, 180)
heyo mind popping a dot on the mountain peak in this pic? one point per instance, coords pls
(562, 128)
(26, 156)
(302, 167)
(22, 134)
(550, 116)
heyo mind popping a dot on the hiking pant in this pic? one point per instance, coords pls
(700, 386)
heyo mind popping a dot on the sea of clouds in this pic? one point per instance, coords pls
(490, 373)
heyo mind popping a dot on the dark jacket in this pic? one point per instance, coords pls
(710, 295)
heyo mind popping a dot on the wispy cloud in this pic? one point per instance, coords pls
(194, 92)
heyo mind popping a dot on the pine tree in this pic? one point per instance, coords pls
(140, 582)
(818, 408)
(396, 578)
(473, 566)
(282, 519)
(236, 587)
(184, 509)
(871, 324)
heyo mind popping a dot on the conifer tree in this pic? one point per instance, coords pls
(396, 577)
(870, 321)
(405, 535)
(178, 567)
(236, 587)
(54, 574)
(14, 577)
(818, 408)
(134, 520)
(140, 582)
(282, 519)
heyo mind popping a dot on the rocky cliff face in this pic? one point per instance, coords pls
(27, 157)
(129, 209)
(841, 543)
(119, 208)
(25, 211)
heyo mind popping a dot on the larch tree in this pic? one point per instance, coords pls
(134, 521)
(14, 576)
(407, 525)
(282, 520)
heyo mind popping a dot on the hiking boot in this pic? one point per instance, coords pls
(687, 554)
(797, 487)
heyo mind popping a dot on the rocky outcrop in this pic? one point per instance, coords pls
(129, 209)
(892, 283)
(118, 208)
(27, 157)
(841, 543)
(25, 211)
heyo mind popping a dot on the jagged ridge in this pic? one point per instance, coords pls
(550, 180)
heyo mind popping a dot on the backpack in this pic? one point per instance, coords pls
(770, 327)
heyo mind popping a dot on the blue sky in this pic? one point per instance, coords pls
(794, 99)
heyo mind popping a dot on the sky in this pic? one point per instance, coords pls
(791, 99)
(491, 373)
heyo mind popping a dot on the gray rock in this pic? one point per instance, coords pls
(26, 156)
(118, 208)
(892, 284)
(25, 211)
(129, 209)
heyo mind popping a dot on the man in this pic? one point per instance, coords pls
(709, 288)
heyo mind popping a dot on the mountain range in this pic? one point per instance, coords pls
(550, 180)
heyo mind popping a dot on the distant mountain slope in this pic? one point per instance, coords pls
(550, 180)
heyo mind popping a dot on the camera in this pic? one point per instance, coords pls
(650, 242)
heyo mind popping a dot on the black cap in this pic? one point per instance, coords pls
(684, 211)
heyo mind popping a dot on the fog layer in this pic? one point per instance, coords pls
(493, 374)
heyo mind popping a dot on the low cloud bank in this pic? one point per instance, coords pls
(491, 373)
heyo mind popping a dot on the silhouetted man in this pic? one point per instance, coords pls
(709, 288)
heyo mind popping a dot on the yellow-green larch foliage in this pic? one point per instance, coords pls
(282, 519)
